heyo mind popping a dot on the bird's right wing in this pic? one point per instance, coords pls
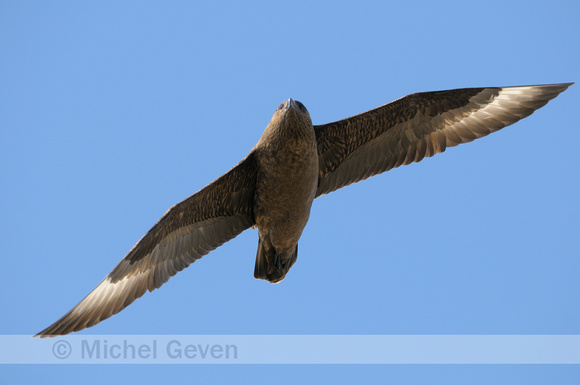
(418, 126)
(187, 231)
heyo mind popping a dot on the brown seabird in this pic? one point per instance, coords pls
(273, 188)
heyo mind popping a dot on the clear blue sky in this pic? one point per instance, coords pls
(111, 112)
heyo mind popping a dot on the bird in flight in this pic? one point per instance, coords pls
(294, 162)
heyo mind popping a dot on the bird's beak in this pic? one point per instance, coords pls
(291, 104)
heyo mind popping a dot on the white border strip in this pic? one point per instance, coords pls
(291, 349)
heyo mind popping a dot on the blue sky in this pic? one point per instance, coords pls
(111, 112)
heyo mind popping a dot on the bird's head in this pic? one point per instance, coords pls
(290, 120)
(292, 110)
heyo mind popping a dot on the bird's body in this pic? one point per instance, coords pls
(285, 188)
(273, 188)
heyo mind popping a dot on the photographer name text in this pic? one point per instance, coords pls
(153, 349)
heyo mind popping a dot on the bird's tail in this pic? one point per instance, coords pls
(272, 266)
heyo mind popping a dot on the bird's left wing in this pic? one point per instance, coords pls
(187, 231)
(417, 126)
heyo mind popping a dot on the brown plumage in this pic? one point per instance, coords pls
(294, 162)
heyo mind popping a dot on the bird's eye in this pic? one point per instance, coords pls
(280, 106)
(301, 106)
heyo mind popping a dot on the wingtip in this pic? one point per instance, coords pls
(564, 86)
(42, 334)
(46, 333)
(59, 328)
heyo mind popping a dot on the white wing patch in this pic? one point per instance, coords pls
(485, 113)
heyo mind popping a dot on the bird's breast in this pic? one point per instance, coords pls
(285, 188)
